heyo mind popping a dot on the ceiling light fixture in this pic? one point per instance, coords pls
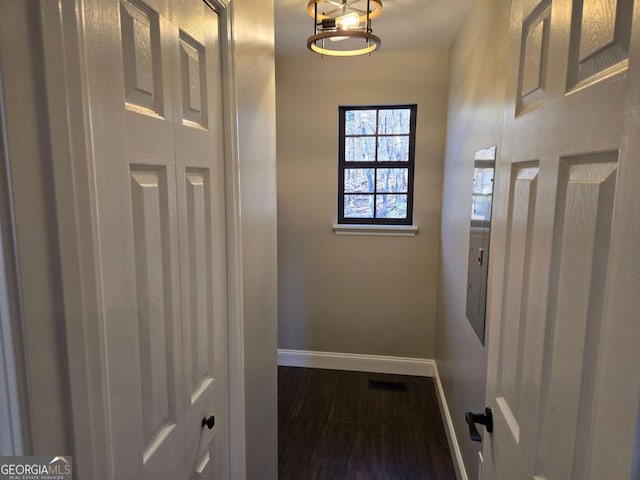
(339, 20)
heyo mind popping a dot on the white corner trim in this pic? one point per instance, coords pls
(380, 230)
(422, 367)
(454, 446)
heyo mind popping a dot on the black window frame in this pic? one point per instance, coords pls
(342, 164)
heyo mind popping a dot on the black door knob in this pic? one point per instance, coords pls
(485, 419)
(209, 422)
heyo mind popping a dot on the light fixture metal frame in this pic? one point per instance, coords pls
(373, 41)
(375, 13)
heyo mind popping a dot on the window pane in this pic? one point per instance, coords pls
(481, 208)
(357, 180)
(358, 206)
(360, 122)
(483, 181)
(393, 148)
(394, 121)
(391, 206)
(360, 149)
(392, 180)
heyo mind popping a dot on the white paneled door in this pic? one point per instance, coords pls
(564, 339)
(154, 87)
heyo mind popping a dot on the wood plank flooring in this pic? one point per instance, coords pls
(333, 426)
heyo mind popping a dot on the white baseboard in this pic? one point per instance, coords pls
(356, 362)
(454, 446)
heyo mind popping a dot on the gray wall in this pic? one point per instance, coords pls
(253, 30)
(475, 119)
(355, 294)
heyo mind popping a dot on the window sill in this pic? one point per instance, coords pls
(381, 230)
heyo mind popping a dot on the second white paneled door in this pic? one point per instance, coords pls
(154, 86)
(564, 362)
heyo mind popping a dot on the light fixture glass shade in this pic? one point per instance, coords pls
(350, 20)
(346, 23)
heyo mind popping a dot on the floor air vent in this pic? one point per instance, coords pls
(387, 386)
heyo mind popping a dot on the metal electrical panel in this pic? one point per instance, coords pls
(479, 235)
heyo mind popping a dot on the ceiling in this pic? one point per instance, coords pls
(404, 25)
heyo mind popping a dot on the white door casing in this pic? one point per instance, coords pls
(153, 216)
(564, 369)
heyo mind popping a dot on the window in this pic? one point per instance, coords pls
(376, 163)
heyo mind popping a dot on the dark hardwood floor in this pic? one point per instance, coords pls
(334, 425)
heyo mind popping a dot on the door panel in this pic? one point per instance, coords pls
(565, 232)
(193, 81)
(579, 267)
(600, 39)
(141, 52)
(158, 334)
(198, 308)
(203, 468)
(201, 206)
(533, 57)
(196, 284)
(150, 145)
(155, 94)
(520, 227)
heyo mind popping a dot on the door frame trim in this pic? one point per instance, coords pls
(69, 116)
(235, 312)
